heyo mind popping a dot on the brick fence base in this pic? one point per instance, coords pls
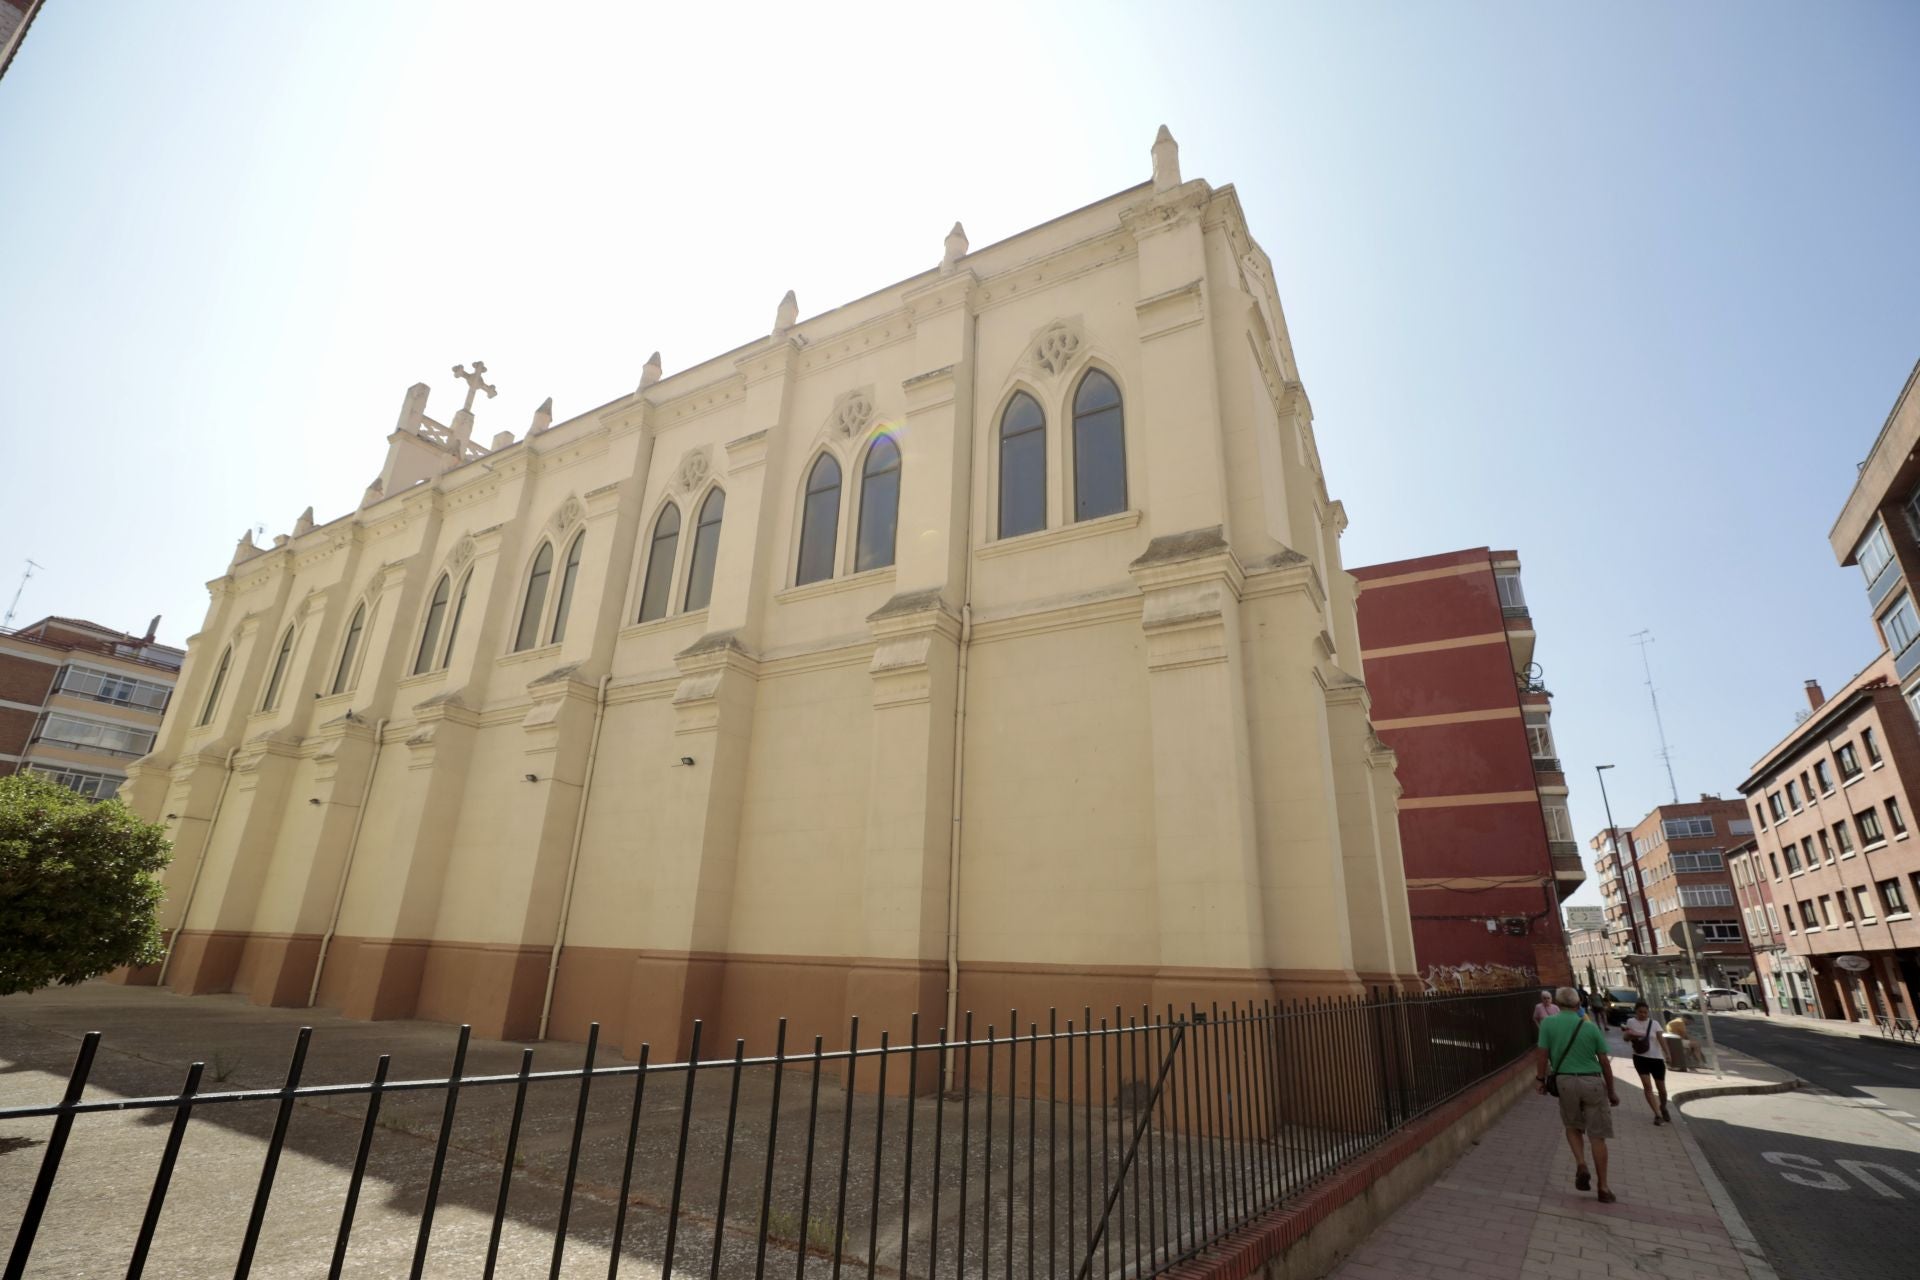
(1305, 1240)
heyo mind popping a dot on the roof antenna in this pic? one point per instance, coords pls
(1643, 639)
(7, 622)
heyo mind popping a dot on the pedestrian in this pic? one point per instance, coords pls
(1649, 1059)
(1570, 1061)
(1545, 1009)
(1586, 1002)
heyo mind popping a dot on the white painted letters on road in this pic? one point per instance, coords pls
(1819, 1180)
(1858, 1168)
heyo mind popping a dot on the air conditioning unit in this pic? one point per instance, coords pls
(1517, 926)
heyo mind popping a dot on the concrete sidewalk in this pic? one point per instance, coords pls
(1508, 1209)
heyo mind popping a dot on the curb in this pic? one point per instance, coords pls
(1736, 1090)
(1748, 1245)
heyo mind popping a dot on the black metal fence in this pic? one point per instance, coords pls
(1103, 1145)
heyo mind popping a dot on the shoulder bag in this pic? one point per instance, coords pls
(1552, 1082)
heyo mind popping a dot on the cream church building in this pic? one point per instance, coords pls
(981, 643)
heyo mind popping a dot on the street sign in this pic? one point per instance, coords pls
(1853, 964)
(1677, 935)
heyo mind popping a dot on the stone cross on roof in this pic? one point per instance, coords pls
(476, 381)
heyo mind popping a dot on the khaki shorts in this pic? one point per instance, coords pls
(1584, 1106)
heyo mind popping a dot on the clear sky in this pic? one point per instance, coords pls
(1627, 287)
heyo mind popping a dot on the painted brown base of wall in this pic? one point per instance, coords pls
(655, 997)
(1305, 1241)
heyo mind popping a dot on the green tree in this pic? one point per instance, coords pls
(79, 885)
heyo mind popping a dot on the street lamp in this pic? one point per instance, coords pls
(1619, 864)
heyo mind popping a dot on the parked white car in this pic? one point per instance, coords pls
(1717, 999)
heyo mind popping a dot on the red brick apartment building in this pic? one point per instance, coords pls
(79, 700)
(1447, 642)
(1679, 852)
(1834, 801)
(1782, 980)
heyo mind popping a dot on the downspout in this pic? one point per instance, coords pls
(346, 870)
(193, 885)
(959, 752)
(573, 856)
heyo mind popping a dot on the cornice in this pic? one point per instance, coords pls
(1090, 609)
(1064, 265)
(1118, 522)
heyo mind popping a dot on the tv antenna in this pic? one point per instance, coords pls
(1643, 639)
(7, 621)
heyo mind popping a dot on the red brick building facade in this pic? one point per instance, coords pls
(1677, 855)
(1447, 642)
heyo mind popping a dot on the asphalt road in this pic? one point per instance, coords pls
(1829, 1184)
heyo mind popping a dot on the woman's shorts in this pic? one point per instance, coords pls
(1655, 1067)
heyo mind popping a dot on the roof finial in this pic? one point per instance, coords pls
(476, 382)
(1166, 161)
(788, 313)
(956, 247)
(650, 371)
(304, 524)
(542, 417)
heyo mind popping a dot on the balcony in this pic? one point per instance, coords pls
(1569, 873)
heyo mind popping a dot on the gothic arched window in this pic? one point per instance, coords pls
(279, 671)
(535, 602)
(819, 522)
(430, 637)
(706, 550)
(219, 680)
(453, 627)
(879, 506)
(1099, 448)
(1023, 467)
(350, 650)
(656, 590)
(565, 600)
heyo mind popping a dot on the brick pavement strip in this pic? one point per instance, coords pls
(1507, 1209)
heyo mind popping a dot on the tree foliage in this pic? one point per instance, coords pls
(79, 885)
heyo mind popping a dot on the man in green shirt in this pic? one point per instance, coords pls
(1574, 1050)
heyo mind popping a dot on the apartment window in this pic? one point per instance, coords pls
(1896, 819)
(1899, 625)
(1806, 851)
(1761, 814)
(1773, 860)
(1874, 551)
(1739, 826)
(1863, 902)
(1823, 776)
(1773, 803)
(1539, 736)
(1720, 931)
(1848, 761)
(1843, 838)
(1826, 911)
(1793, 796)
(1773, 920)
(1871, 743)
(1686, 828)
(94, 786)
(1840, 901)
(1559, 821)
(1791, 926)
(94, 735)
(1892, 898)
(1793, 857)
(1698, 860)
(1706, 895)
(1511, 597)
(1807, 919)
(112, 688)
(1806, 786)
(1869, 823)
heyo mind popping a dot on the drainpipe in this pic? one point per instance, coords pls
(193, 885)
(346, 869)
(573, 856)
(959, 761)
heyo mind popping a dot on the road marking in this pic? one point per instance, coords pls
(1904, 1115)
(1868, 1102)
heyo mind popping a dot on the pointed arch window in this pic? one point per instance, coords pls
(879, 506)
(350, 650)
(436, 618)
(657, 590)
(453, 627)
(706, 550)
(536, 599)
(1023, 467)
(219, 682)
(279, 675)
(568, 573)
(819, 522)
(1099, 448)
